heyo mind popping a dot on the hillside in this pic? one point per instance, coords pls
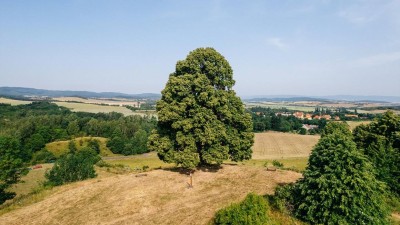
(22, 91)
(161, 197)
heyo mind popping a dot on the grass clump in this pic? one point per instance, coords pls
(253, 210)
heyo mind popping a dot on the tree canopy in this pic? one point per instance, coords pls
(339, 186)
(200, 118)
(380, 142)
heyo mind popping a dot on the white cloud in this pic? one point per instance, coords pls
(277, 42)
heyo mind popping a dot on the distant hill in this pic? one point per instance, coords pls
(22, 91)
(349, 98)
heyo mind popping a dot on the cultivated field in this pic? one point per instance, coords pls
(13, 102)
(93, 108)
(114, 101)
(160, 197)
(354, 124)
(275, 145)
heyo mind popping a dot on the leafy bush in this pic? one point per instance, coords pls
(276, 163)
(94, 144)
(73, 166)
(253, 210)
(43, 156)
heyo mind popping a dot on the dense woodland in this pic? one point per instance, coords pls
(36, 124)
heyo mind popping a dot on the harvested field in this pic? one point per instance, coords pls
(92, 108)
(275, 145)
(161, 197)
(354, 124)
(13, 102)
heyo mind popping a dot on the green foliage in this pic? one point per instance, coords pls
(380, 142)
(43, 156)
(251, 211)
(94, 144)
(336, 127)
(200, 118)
(73, 166)
(339, 186)
(277, 164)
(11, 166)
(72, 146)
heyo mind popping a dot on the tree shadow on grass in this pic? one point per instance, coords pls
(204, 168)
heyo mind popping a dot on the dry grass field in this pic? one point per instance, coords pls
(13, 102)
(160, 197)
(114, 101)
(275, 145)
(354, 124)
(93, 108)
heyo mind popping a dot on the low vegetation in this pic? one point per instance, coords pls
(251, 211)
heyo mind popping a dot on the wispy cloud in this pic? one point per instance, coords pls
(366, 11)
(376, 60)
(277, 42)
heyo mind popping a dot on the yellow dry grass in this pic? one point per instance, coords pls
(92, 108)
(275, 145)
(13, 102)
(354, 124)
(31, 181)
(160, 197)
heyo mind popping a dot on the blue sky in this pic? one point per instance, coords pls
(275, 47)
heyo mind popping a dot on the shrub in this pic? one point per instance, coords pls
(73, 166)
(43, 156)
(252, 210)
(94, 144)
(276, 163)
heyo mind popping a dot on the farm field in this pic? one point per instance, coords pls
(114, 101)
(354, 124)
(276, 145)
(274, 105)
(13, 102)
(160, 197)
(92, 108)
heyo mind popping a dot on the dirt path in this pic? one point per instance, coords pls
(161, 197)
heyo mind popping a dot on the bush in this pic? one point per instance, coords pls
(276, 163)
(94, 144)
(253, 210)
(73, 166)
(43, 156)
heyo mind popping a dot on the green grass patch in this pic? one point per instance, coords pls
(60, 147)
(296, 164)
(138, 162)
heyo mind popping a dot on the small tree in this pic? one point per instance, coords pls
(73, 166)
(339, 186)
(11, 166)
(200, 118)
